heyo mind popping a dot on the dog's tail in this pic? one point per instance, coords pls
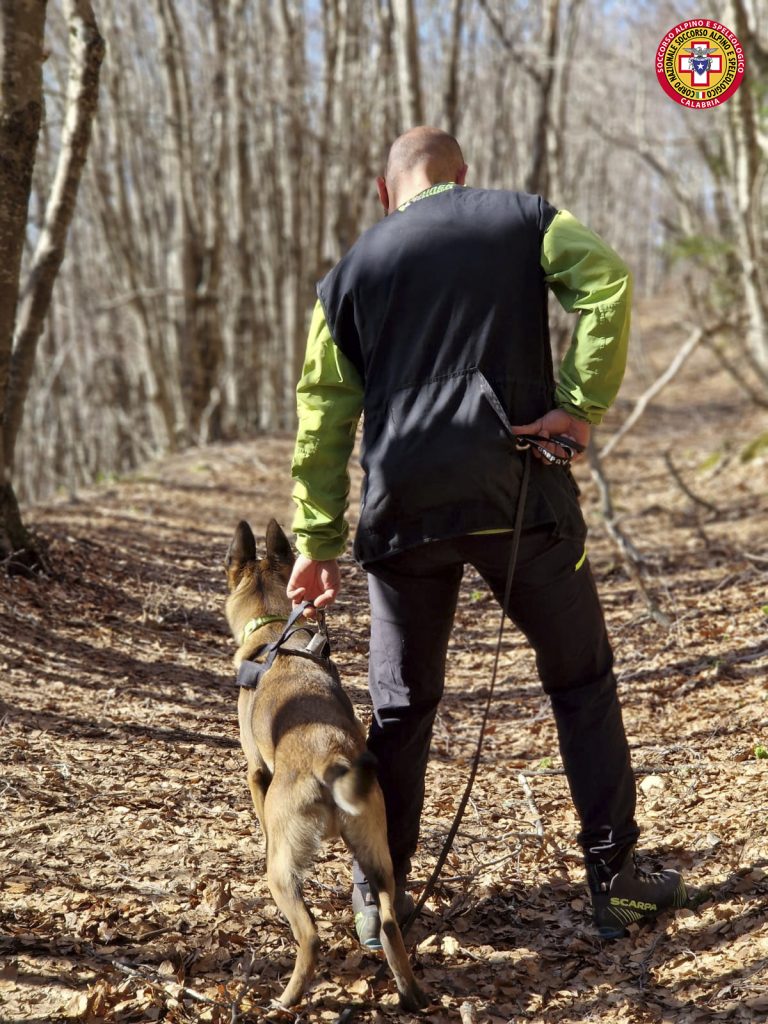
(351, 783)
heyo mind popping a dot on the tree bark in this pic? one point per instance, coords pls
(86, 52)
(407, 55)
(540, 176)
(750, 165)
(451, 86)
(21, 101)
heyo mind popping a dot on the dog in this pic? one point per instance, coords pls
(309, 772)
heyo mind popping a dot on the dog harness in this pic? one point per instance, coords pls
(251, 671)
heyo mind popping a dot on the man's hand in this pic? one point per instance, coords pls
(558, 422)
(314, 581)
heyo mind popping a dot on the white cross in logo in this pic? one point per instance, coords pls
(699, 62)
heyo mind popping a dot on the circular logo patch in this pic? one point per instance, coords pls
(700, 63)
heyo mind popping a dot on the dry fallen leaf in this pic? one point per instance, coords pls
(652, 785)
(127, 826)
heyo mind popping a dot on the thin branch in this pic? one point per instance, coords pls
(235, 1014)
(519, 55)
(174, 989)
(468, 1013)
(631, 557)
(637, 770)
(530, 803)
(685, 488)
(733, 369)
(694, 338)
(686, 200)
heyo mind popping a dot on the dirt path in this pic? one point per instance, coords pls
(131, 866)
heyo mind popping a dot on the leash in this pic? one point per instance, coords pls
(348, 1014)
(251, 672)
(569, 446)
(523, 443)
(447, 845)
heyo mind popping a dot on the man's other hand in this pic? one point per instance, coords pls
(558, 421)
(314, 581)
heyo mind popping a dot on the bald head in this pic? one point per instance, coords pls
(435, 152)
(417, 159)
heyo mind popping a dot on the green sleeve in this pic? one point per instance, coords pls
(329, 400)
(587, 276)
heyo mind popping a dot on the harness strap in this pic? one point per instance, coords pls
(251, 672)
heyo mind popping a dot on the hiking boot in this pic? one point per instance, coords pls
(620, 898)
(367, 922)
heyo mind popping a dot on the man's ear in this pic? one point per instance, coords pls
(278, 549)
(461, 176)
(381, 186)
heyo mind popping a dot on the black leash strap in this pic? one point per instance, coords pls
(348, 1014)
(525, 441)
(251, 672)
(429, 887)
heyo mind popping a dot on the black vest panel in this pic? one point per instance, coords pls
(435, 305)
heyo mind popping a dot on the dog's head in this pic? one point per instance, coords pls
(257, 585)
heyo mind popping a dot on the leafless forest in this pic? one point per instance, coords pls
(193, 167)
(231, 163)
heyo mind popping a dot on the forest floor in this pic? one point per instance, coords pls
(131, 865)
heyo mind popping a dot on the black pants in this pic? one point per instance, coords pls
(413, 599)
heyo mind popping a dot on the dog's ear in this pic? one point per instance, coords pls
(278, 549)
(243, 547)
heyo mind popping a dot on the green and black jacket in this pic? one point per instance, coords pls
(432, 307)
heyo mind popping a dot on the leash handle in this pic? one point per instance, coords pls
(525, 441)
(250, 673)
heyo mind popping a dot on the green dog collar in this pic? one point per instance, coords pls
(253, 624)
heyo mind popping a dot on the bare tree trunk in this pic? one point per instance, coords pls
(247, 335)
(200, 341)
(130, 232)
(385, 105)
(548, 69)
(749, 170)
(86, 52)
(451, 86)
(539, 176)
(407, 53)
(21, 101)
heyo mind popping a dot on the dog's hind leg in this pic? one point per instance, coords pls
(259, 779)
(290, 851)
(367, 840)
(285, 886)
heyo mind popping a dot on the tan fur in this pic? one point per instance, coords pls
(308, 771)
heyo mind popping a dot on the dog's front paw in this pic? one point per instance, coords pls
(414, 999)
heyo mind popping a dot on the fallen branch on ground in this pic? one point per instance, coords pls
(629, 553)
(531, 803)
